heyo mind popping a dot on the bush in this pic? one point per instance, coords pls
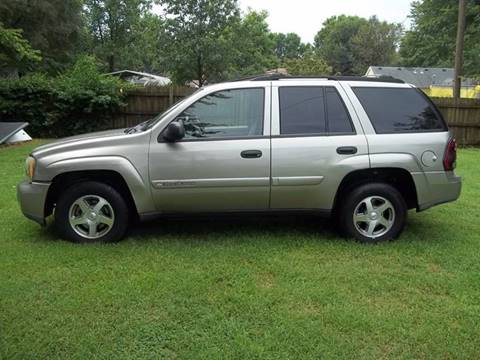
(81, 100)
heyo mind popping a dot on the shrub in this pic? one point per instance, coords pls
(81, 100)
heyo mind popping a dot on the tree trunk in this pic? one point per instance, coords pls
(111, 63)
(459, 49)
(200, 70)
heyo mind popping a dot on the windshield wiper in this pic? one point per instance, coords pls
(134, 129)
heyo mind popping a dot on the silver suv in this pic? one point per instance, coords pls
(362, 150)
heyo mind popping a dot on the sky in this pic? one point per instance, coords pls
(305, 17)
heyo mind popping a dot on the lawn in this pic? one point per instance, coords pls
(273, 287)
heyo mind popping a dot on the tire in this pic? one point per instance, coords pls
(91, 212)
(384, 219)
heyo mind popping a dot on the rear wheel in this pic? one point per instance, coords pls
(91, 212)
(373, 213)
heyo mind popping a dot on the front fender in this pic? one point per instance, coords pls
(138, 185)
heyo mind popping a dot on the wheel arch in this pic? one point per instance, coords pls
(104, 168)
(67, 179)
(400, 178)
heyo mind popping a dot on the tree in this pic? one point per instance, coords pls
(15, 52)
(288, 46)
(198, 33)
(375, 43)
(249, 48)
(114, 25)
(51, 26)
(431, 39)
(309, 64)
(146, 51)
(350, 44)
(334, 42)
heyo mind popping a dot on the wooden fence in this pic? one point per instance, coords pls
(145, 103)
(463, 117)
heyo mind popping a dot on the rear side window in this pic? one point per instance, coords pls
(302, 110)
(399, 110)
(338, 118)
(313, 110)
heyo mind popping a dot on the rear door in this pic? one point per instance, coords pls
(316, 141)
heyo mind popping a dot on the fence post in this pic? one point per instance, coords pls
(170, 96)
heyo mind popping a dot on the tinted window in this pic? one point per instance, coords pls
(399, 110)
(338, 118)
(227, 113)
(302, 110)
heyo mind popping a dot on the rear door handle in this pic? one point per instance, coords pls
(347, 150)
(251, 154)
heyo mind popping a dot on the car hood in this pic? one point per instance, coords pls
(77, 140)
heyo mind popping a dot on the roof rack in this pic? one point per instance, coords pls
(273, 77)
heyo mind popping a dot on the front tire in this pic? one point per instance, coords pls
(91, 212)
(373, 213)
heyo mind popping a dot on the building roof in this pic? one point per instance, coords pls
(141, 78)
(9, 129)
(421, 77)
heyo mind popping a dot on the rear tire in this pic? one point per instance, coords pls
(372, 213)
(91, 212)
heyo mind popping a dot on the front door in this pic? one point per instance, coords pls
(223, 163)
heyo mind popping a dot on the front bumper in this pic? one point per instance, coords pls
(32, 197)
(434, 188)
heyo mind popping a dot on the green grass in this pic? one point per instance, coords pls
(273, 287)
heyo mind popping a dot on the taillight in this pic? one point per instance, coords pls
(450, 157)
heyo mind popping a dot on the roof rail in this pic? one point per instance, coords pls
(274, 77)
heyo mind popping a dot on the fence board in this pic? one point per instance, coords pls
(463, 116)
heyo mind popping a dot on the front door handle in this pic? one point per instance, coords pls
(251, 154)
(347, 150)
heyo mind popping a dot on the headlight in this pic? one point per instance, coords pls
(30, 167)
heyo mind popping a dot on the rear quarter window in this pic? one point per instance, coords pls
(399, 110)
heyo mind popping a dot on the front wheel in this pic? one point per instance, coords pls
(91, 212)
(373, 213)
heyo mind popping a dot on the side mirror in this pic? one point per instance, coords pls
(174, 131)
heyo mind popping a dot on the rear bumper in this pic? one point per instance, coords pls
(434, 188)
(31, 197)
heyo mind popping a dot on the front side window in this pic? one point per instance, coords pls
(399, 110)
(227, 113)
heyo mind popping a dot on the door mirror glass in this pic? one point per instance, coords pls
(175, 131)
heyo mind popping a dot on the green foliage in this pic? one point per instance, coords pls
(375, 43)
(120, 31)
(431, 40)
(249, 48)
(15, 51)
(146, 51)
(51, 26)
(81, 100)
(288, 46)
(350, 44)
(309, 64)
(197, 33)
